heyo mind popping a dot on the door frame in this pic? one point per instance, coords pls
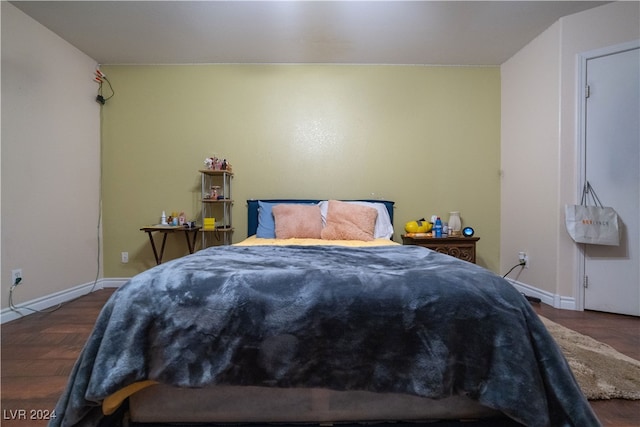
(581, 91)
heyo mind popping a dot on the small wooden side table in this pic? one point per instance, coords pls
(463, 248)
(166, 229)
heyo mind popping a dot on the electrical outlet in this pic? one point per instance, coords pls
(16, 276)
(523, 258)
(124, 257)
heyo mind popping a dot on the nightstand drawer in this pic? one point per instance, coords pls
(463, 248)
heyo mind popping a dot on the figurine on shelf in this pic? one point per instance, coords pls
(209, 162)
(214, 163)
(215, 191)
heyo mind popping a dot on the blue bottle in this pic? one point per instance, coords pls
(437, 228)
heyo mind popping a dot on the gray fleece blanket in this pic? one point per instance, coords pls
(401, 319)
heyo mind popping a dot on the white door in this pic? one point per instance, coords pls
(612, 166)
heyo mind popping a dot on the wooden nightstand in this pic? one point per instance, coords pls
(459, 247)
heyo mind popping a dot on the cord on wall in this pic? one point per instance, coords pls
(522, 263)
(16, 309)
(100, 78)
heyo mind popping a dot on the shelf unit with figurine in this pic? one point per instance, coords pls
(217, 203)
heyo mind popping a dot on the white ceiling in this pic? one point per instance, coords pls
(351, 32)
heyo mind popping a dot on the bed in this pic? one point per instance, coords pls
(319, 330)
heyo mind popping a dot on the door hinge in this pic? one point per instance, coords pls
(586, 281)
(587, 91)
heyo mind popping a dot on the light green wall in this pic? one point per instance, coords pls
(426, 137)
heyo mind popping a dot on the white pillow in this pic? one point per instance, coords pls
(383, 229)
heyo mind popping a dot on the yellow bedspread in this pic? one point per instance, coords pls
(255, 241)
(113, 402)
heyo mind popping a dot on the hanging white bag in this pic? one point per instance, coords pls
(592, 224)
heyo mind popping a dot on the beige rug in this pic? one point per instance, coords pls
(601, 371)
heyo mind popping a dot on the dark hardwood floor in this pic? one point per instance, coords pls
(38, 353)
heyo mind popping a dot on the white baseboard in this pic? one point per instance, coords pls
(554, 300)
(114, 282)
(52, 300)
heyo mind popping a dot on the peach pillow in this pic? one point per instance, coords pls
(348, 221)
(296, 220)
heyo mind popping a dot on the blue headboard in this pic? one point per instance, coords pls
(252, 209)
